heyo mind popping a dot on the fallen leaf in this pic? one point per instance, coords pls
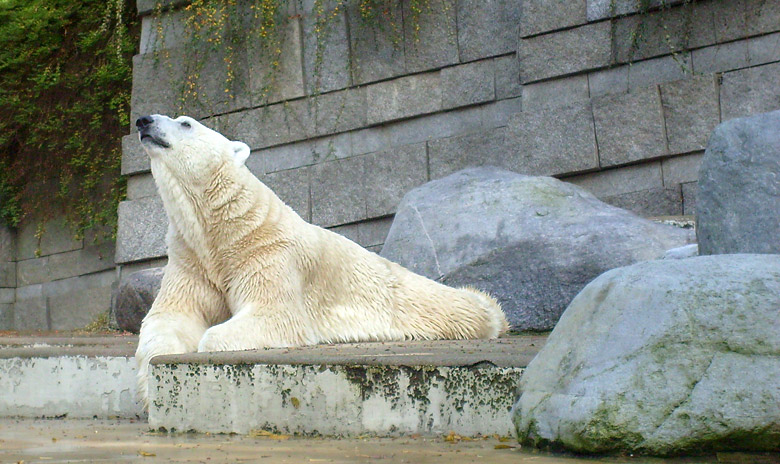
(267, 434)
(145, 454)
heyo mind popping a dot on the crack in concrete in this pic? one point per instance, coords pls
(433, 248)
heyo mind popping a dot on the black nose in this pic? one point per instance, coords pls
(144, 121)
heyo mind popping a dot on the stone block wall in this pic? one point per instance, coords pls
(633, 97)
(591, 91)
(55, 282)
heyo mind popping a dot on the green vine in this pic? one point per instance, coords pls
(259, 28)
(65, 80)
(638, 37)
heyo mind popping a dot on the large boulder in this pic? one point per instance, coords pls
(532, 242)
(738, 203)
(662, 357)
(134, 298)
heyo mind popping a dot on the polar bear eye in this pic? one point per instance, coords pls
(186, 124)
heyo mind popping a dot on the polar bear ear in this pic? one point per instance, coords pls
(240, 152)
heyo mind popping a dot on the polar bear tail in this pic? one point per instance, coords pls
(497, 323)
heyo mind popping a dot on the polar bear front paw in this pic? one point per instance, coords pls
(213, 340)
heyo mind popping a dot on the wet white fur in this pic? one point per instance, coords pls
(245, 271)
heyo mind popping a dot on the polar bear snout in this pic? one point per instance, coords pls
(143, 122)
(150, 132)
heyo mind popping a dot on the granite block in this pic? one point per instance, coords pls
(430, 34)
(649, 35)
(649, 203)
(565, 52)
(484, 148)
(715, 22)
(721, 57)
(689, 191)
(141, 186)
(657, 70)
(7, 244)
(553, 140)
(7, 295)
(750, 91)
(134, 158)
(558, 92)
(377, 43)
(608, 81)
(340, 111)
(31, 311)
(6, 316)
(681, 169)
(404, 97)
(275, 64)
(629, 127)
(468, 84)
(143, 225)
(497, 114)
(373, 232)
(338, 192)
(507, 70)
(548, 15)
(390, 174)
(487, 27)
(166, 31)
(57, 237)
(762, 16)
(613, 182)
(764, 49)
(292, 187)
(7, 274)
(326, 64)
(691, 112)
(74, 303)
(603, 9)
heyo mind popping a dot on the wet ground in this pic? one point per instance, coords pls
(104, 441)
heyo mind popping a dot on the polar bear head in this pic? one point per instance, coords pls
(186, 146)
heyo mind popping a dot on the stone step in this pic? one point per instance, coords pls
(385, 389)
(68, 376)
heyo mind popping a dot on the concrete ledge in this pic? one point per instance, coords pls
(77, 377)
(386, 389)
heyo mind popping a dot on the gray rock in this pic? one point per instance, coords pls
(687, 251)
(134, 298)
(532, 242)
(662, 357)
(739, 187)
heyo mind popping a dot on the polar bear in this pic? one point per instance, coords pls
(245, 271)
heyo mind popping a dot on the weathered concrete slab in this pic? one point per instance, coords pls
(77, 377)
(387, 389)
